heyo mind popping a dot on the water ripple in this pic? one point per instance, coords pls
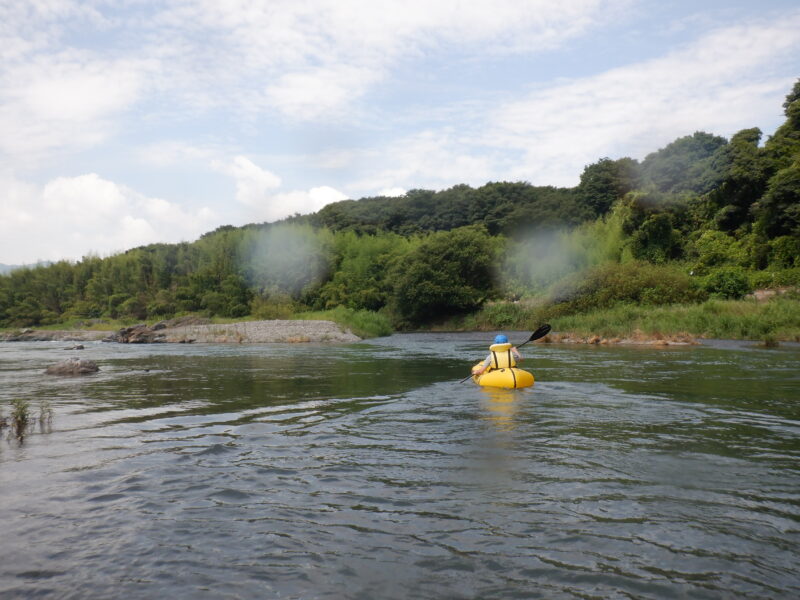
(217, 474)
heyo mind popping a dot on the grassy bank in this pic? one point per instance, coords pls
(777, 319)
(363, 323)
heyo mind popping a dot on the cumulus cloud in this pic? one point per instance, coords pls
(72, 216)
(257, 190)
(253, 184)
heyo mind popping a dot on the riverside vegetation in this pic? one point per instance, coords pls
(22, 419)
(671, 244)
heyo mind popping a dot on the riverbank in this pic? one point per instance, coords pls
(773, 319)
(768, 320)
(196, 331)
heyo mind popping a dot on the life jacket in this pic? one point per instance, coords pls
(502, 357)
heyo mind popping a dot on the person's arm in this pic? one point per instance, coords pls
(479, 370)
(516, 352)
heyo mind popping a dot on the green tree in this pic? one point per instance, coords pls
(745, 174)
(715, 249)
(685, 165)
(606, 181)
(778, 211)
(450, 272)
(656, 241)
(362, 265)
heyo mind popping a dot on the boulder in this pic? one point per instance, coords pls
(137, 334)
(73, 366)
(142, 334)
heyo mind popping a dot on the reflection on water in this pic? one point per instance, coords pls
(368, 471)
(501, 405)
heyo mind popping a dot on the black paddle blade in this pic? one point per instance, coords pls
(541, 332)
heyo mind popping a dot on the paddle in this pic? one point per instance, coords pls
(539, 333)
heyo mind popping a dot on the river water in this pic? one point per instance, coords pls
(368, 471)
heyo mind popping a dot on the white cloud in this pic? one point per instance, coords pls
(72, 216)
(430, 159)
(319, 92)
(308, 59)
(253, 184)
(256, 189)
(170, 153)
(716, 84)
(300, 202)
(63, 103)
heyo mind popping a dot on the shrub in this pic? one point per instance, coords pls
(272, 307)
(788, 277)
(784, 252)
(635, 282)
(503, 315)
(162, 305)
(728, 282)
(715, 248)
(133, 307)
(363, 323)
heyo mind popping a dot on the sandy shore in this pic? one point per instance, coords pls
(245, 332)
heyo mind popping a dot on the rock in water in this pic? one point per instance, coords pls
(73, 366)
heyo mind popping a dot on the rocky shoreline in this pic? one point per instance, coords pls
(193, 330)
(637, 338)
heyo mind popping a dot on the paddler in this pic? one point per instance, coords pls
(501, 355)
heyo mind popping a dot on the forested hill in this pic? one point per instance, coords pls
(727, 211)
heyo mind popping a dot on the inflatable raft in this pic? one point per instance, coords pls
(509, 377)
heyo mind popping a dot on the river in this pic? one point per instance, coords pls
(368, 471)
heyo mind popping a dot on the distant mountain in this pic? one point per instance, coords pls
(5, 269)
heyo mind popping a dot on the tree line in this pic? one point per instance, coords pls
(725, 212)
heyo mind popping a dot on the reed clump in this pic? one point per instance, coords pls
(20, 417)
(23, 419)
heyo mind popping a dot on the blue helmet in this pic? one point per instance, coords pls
(500, 339)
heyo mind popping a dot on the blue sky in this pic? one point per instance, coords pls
(126, 122)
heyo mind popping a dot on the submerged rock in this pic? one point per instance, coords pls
(73, 366)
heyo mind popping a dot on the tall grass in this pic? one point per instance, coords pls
(363, 323)
(777, 319)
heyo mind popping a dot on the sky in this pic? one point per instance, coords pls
(129, 122)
